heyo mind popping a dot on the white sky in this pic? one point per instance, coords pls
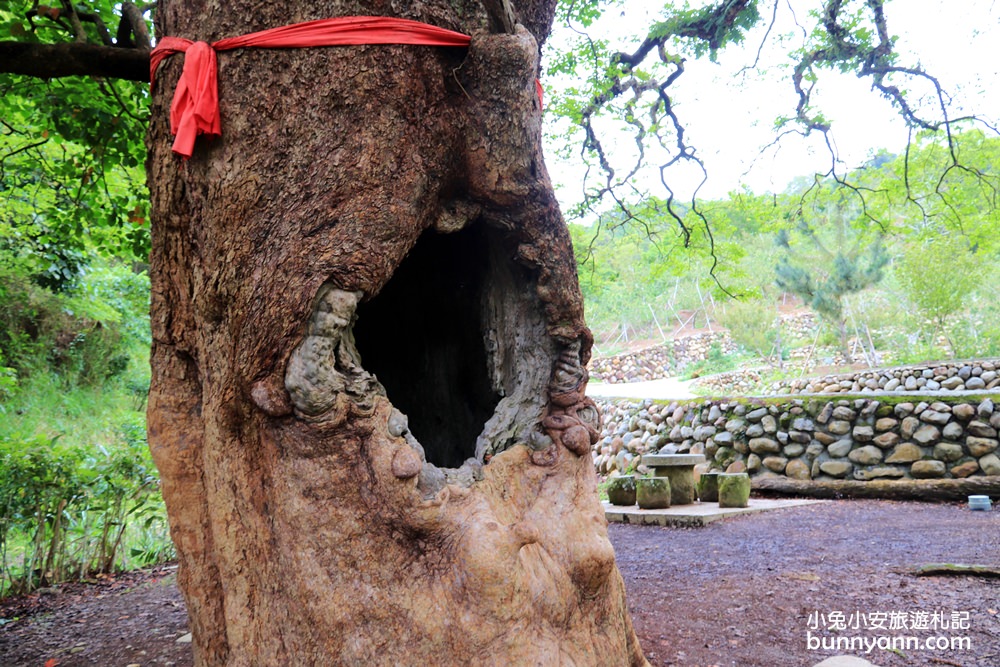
(729, 118)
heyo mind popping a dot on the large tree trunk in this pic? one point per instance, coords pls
(368, 399)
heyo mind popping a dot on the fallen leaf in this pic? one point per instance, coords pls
(993, 612)
(51, 662)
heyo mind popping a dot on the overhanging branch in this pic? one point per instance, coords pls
(132, 31)
(709, 28)
(53, 61)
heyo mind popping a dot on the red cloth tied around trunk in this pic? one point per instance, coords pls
(195, 107)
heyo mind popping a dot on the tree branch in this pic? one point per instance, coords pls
(132, 31)
(502, 19)
(95, 18)
(52, 61)
(711, 27)
(956, 569)
(79, 34)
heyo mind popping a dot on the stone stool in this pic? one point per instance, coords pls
(708, 487)
(621, 490)
(679, 469)
(652, 493)
(734, 489)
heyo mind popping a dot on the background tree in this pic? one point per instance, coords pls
(920, 194)
(71, 154)
(935, 277)
(754, 326)
(828, 260)
(74, 236)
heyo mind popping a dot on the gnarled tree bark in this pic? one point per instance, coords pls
(368, 402)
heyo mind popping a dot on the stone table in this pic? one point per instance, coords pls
(679, 469)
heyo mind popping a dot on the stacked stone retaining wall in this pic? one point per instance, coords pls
(651, 363)
(952, 376)
(940, 376)
(669, 358)
(660, 361)
(860, 438)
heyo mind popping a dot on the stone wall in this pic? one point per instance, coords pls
(743, 382)
(801, 326)
(947, 376)
(941, 376)
(660, 361)
(696, 347)
(651, 363)
(860, 438)
(669, 358)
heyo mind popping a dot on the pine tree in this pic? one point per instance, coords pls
(825, 259)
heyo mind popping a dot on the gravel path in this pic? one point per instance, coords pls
(665, 389)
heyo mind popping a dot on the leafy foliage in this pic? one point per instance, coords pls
(934, 276)
(622, 90)
(950, 299)
(71, 157)
(86, 334)
(8, 382)
(78, 492)
(923, 194)
(753, 325)
(626, 269)
(77, 495)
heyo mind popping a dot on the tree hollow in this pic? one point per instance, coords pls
(423, 338)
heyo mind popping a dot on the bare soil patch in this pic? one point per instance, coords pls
(741, 592)
(131, 619)
(737, 593)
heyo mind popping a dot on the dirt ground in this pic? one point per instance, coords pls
(750, 591)
(747, 591)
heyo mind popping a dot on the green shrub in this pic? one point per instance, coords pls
(67, 511)
(8, 382)
(753, 325)
(716, 361)
(933, 277)
(38, 481)
(86, 335)
(973, 337)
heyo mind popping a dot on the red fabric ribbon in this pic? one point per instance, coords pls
(195, 107)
